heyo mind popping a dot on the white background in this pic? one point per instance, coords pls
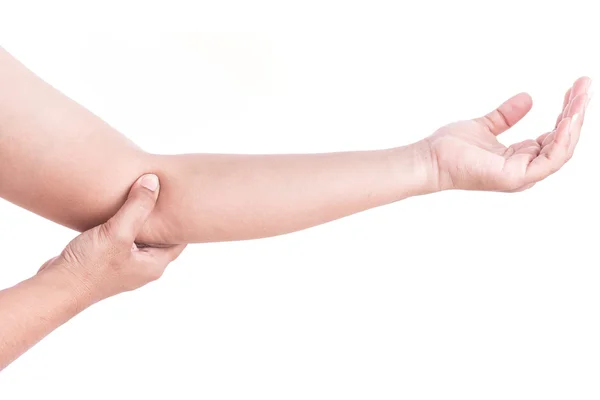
(457, 295)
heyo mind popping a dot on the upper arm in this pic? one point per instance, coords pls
(57, 159)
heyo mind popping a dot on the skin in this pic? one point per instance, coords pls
(467, 154)
(49, 145)
(96, 265)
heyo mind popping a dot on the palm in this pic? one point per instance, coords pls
(468, 155)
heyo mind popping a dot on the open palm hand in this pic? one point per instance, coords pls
(467, 154)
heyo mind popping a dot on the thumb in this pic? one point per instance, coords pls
(509, 113)
(127, 223)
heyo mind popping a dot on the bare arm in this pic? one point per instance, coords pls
(49, 145)
(251, 196)
(31, 310)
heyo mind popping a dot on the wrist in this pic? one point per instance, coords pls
(416, 168)
(73, 290)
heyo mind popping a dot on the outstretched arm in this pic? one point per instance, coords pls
(50, 146)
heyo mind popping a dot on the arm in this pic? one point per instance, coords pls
(49, 144)
(98, 264)
(235, 197)
(32, 309)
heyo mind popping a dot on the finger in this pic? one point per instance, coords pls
(580, 86)
(566, 100)
(509, 113)
(576, 105)
(549, 139)
(527, 149)
(552, 156)
(543, 137)
(126, 224)
(155, 260)
(164, 255)
(576, 110)
(518, 157)
(576, 124)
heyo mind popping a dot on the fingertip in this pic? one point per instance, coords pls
(584, 81)
(166, 255)
(508, 113)
(521, 104)
(580, 86)
(525, 98)
(127, 223)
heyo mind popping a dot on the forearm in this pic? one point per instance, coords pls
(32, 309)
(231, 197)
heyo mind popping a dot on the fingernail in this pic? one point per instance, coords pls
(150, 182)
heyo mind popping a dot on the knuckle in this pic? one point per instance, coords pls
(120, 238)
(113, 233)
(112, 238)
(496, 120)
(145, 200)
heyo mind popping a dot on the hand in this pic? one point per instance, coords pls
(105, 261)
(467, 155)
